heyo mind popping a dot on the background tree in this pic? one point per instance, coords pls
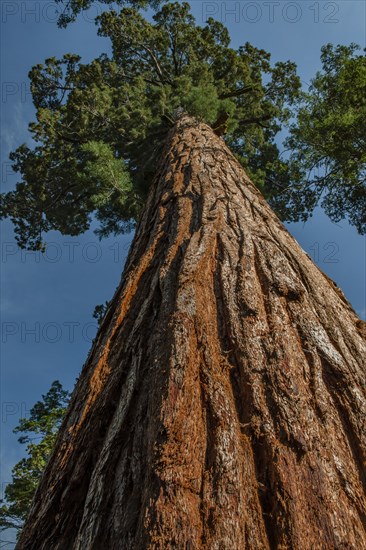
(100, 126)
(39, 433)
(328, 143)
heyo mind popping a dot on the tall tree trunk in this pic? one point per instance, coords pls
(222, 405)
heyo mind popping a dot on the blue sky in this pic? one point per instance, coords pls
(54, 295)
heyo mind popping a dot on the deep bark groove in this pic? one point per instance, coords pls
(222, 405)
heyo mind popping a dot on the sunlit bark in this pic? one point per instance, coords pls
(222, 405)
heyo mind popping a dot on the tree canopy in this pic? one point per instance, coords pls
(328, 142)
(39, 433)
(100, 126)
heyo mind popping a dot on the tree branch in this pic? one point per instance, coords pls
(173, 47)
(156, 65)
(238, 92)
(255, 120)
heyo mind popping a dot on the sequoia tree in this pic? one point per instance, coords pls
(223, 401)
(222, 404)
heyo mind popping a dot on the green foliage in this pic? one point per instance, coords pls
(111, 184)
(328, 143)
(100, 311)
(101, 126)
(40, 431)
(70, 9)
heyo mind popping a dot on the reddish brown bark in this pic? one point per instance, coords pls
(222, 405)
